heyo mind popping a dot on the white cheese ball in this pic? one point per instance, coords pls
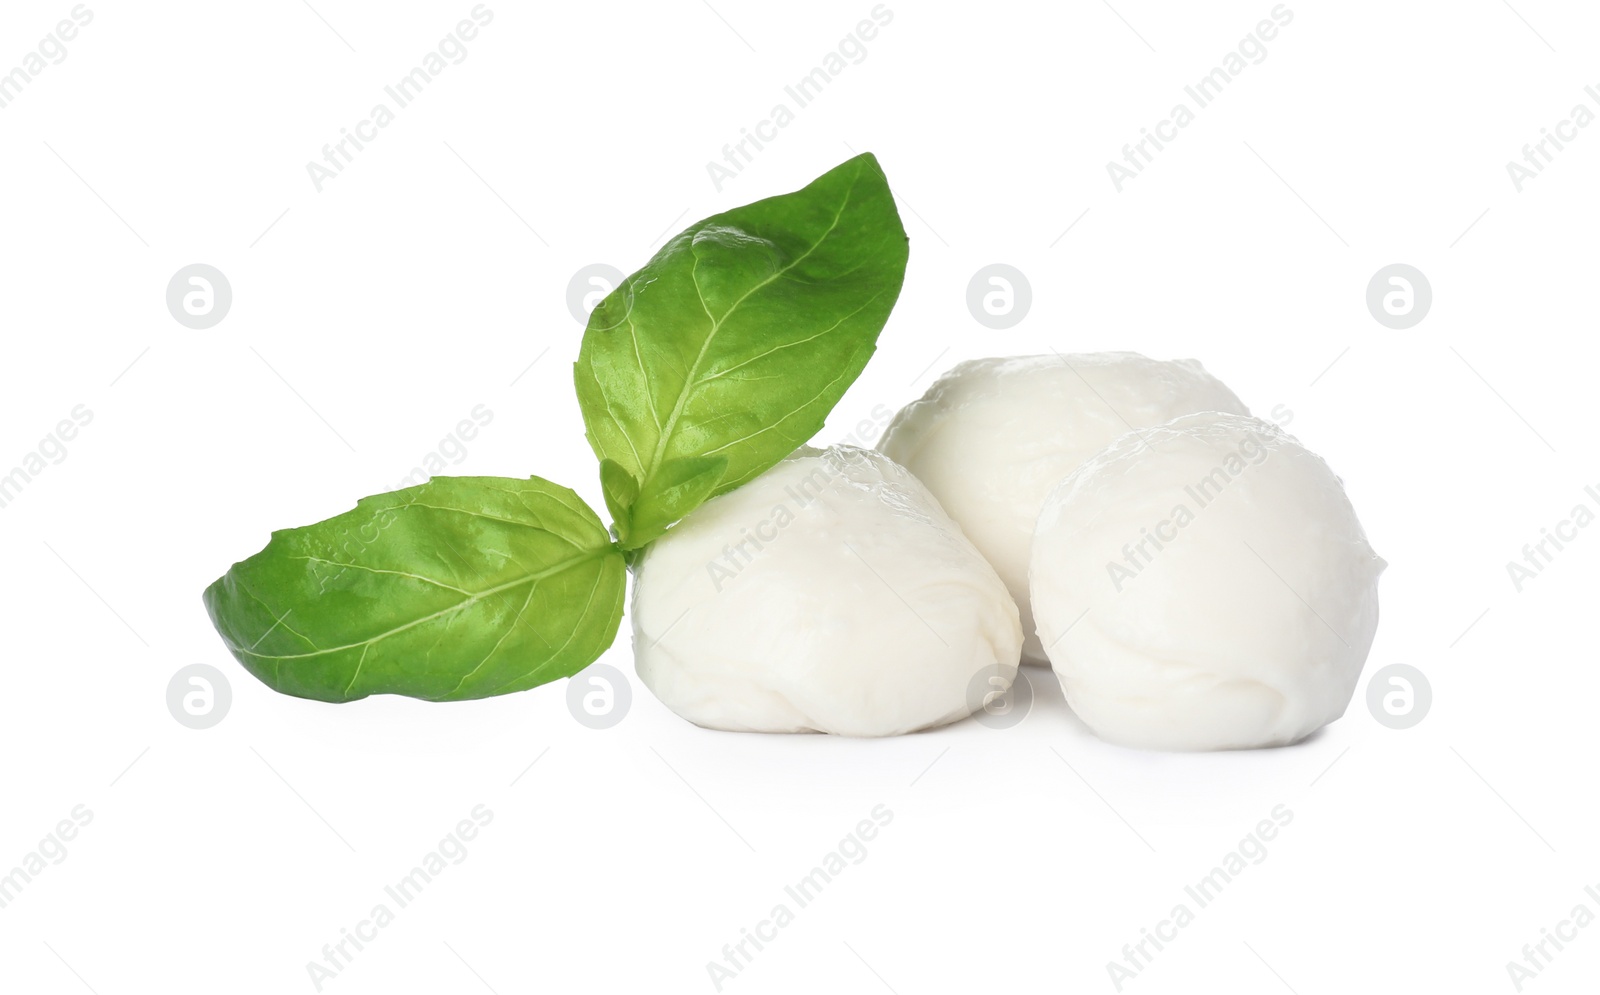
(1206, 587)
(830, 594)
(991, 437)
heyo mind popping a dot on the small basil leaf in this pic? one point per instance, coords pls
(743, 332)
(679, 487)
(463, 587)
(621, 491)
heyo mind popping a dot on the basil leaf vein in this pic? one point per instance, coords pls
(419, 593)
(746, 329)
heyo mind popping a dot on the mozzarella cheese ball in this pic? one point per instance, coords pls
(991, 437)
(1205, 587)
(830, 594)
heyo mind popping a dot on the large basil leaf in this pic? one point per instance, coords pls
(730, 347)
(463, 587)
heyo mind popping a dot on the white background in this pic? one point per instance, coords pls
(372, 317)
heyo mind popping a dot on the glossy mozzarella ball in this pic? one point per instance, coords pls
(992, 436)
(830, 594)
(1205, 587)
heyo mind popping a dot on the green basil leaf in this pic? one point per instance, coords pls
(682, 485)
(463, 587)
(620, 490)
(739, 336)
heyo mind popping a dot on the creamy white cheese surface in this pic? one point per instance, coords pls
(991, 438)
(1205, 585)
(830, 594)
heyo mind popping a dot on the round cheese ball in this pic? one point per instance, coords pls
(1205, 587)
(991, 437)
(830, 594)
